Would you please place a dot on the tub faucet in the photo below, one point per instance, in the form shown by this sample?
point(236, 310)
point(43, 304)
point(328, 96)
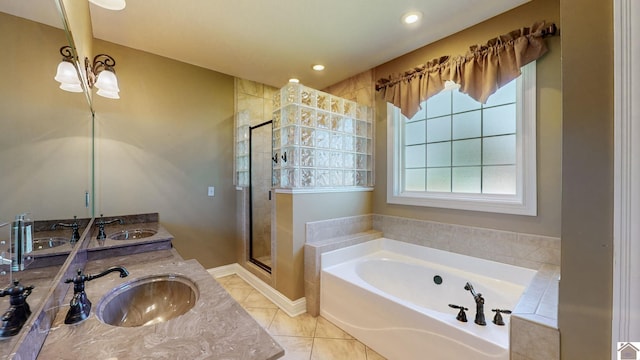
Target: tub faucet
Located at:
point(75, 236)
point(479, 305)
point(101, 223)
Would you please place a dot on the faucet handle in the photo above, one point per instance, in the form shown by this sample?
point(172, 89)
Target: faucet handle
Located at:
point(462, 316)
point(497, 319)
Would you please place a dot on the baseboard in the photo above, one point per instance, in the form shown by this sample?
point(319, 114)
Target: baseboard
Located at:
point(292, 308)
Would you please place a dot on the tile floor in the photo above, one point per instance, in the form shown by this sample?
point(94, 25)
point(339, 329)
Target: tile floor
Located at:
point(303, 337)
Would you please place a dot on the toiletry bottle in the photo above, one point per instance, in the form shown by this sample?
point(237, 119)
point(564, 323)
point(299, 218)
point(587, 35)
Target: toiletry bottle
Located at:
point(22, 241)
point(17, 243)
point(28, 235)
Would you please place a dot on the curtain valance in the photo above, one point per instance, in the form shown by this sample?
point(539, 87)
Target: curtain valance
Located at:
point(480, 72)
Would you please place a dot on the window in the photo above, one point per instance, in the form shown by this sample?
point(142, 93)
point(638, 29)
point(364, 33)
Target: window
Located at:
point(460, 154)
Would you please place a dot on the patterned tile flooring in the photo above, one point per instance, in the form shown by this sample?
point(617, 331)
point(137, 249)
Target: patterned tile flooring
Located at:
point(303, 337)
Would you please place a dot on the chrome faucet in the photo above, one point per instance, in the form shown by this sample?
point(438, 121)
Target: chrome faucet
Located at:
point(479, 305)
point(101, 223)
point(75, 236)
point(80, 306)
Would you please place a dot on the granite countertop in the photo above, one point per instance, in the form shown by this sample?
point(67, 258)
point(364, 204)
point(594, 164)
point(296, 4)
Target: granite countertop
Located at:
point(41, 280)
point(100, 244)
point(217, 327)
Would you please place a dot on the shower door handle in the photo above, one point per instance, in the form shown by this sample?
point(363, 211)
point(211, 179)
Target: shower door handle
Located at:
point(269, 194)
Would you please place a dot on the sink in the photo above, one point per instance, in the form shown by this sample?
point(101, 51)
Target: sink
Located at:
point(148, 301)
point(132, 234)
point(48, 242)
point(44, 243)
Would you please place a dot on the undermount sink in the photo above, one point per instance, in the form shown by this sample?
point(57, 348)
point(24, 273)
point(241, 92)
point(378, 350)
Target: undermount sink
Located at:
point(48, 242)
point(44, 243)
point(148, 301)
point(132, 234)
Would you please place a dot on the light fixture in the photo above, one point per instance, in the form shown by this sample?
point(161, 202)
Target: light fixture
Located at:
point(318, 67)
point(110, 4)
point(411, 17)
point(67, 75)
point(102, 74)
point(451, 85)
point(294, 80)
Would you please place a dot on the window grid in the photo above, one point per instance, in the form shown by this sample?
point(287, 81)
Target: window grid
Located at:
point(482, 108)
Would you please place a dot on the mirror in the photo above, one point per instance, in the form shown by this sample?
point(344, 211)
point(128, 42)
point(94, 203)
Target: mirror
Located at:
point(45, 132)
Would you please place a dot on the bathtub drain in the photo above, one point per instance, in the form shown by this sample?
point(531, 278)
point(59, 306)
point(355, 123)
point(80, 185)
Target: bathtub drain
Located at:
point(437, 279)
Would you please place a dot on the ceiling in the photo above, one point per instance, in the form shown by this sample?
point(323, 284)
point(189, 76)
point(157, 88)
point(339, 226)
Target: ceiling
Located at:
point(272, 41)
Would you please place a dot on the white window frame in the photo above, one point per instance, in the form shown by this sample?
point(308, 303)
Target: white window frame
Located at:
point(524, 202)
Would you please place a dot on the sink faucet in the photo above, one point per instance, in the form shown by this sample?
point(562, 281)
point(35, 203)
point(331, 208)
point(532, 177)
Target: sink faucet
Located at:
point(75, 236)
point(479, 305)
point(101, 223)
point(80, 306)
point(19, 311)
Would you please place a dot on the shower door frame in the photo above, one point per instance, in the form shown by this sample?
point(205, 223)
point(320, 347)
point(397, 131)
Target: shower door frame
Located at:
point(253, 260)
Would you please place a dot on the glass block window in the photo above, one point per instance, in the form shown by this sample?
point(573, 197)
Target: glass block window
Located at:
point(320, 140)
point(458, 153)
point(242, 149)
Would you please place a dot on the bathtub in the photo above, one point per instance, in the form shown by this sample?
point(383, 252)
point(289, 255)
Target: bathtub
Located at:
point(384, 293)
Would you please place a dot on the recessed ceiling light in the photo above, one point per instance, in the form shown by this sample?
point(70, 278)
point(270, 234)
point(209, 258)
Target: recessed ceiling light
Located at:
point(411, 17)
point(294, 80)
point(318, 67)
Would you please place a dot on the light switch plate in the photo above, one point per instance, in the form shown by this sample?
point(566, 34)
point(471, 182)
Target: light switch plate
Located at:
point(211, 191)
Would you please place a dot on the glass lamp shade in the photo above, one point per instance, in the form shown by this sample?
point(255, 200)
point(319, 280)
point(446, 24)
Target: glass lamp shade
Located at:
point(107, 81)
point(108, 94)
point(71, 87)
point(110, 4)
point(67, 74)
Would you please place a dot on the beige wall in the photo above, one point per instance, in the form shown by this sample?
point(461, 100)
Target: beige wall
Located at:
point(160, 146)
point(587, 184)
point(45, 133)
point(293, 211)
point(548, 221)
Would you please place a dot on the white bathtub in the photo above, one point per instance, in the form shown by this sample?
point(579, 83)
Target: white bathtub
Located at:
point(383, 293)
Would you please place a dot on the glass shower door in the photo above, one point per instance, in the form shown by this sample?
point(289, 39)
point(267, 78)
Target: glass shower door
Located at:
point(260, 145)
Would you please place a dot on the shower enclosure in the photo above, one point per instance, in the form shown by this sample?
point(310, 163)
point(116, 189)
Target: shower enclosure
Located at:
point(260, 194)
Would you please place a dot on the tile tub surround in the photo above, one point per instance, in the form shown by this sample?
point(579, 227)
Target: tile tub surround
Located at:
point(317, 231)
point(525, 250)
point(312, 266)
point(216, 328)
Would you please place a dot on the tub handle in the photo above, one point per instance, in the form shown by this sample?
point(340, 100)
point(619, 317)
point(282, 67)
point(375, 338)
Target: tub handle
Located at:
point(497, 319)
point(462, 316)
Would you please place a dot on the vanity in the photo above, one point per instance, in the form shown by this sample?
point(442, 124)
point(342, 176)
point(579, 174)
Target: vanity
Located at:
point(212, 325)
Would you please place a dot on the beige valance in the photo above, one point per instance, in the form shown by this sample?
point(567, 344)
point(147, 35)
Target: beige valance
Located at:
point(482, 71)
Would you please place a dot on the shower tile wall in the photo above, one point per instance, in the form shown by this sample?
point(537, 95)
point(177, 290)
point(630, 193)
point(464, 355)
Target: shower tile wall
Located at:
point(358, 88)
point(255, 102)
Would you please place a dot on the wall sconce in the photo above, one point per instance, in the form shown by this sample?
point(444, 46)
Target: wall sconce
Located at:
point(102, 74)
point(67, 75)
point(99, 73)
